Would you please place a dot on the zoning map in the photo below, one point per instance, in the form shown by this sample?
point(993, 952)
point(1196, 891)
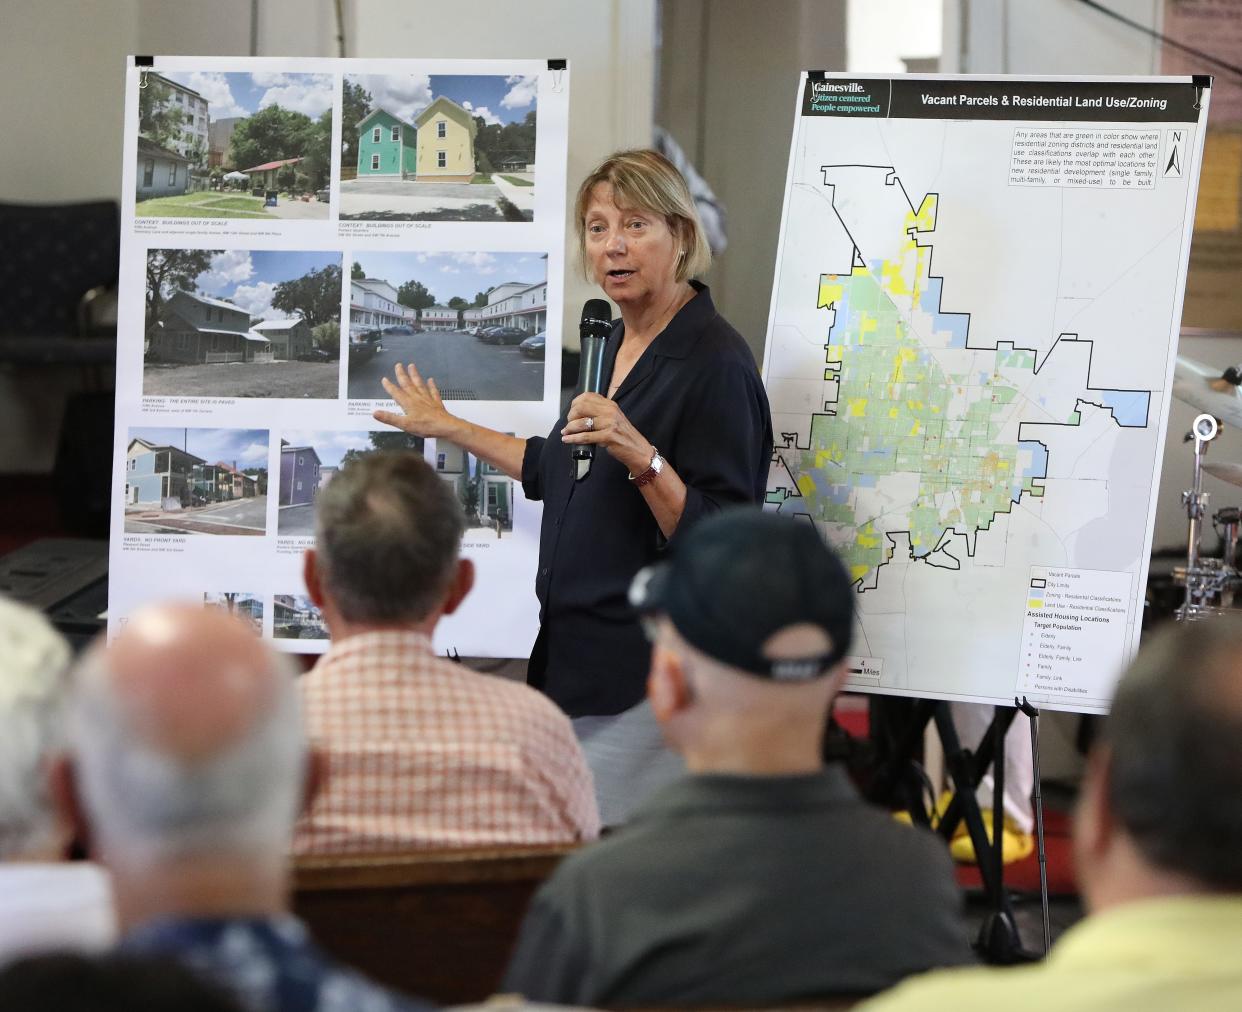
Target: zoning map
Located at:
point(971, 339)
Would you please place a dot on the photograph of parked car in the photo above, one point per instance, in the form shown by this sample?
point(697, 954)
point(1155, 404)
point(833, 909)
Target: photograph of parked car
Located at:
point(309, 460)
point(222, 145)
point(196, 481)
point(242, 323)
point(420, 147)
point(459, 317)
point(248, 607)
point(295, 617)
point(485, 492)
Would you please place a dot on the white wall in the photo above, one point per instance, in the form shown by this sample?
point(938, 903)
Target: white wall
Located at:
point(729, 75)
point(881, 33)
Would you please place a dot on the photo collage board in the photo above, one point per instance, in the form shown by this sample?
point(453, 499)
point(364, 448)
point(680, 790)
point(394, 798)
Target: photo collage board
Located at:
point(292, 230)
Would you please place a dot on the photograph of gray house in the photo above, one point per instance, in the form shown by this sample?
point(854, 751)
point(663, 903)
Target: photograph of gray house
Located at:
point(196, 481)
point(299, 474)
point(161, 172)
point(421, 147)
point(308, 460)
point(474, 311)
point(484, 491)
point(295, 617)
point(245, 606)
point(242, 323)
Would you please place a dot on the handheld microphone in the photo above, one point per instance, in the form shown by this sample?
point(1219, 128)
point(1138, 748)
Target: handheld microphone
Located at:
point(593, 331)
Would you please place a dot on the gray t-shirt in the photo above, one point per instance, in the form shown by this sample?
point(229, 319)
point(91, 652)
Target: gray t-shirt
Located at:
point(739, 890)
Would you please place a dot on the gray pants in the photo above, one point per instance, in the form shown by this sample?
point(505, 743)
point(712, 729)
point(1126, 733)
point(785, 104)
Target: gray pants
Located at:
point(628, 758)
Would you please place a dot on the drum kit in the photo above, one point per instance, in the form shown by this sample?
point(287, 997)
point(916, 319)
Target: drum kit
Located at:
point(1210, 583)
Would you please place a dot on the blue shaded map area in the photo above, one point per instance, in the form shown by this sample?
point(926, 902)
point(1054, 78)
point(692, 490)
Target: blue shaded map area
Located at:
point(1129, 407)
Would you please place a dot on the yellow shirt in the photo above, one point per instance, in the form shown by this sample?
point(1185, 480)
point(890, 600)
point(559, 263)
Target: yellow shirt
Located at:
point(1168, 954)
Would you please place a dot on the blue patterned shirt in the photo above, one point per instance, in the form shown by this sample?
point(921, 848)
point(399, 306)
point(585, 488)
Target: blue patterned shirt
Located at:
point(269, 963)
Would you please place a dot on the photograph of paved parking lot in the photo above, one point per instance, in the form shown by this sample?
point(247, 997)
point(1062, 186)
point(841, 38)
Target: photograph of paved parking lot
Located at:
point(420, 147)
point(473, 322)
point(242, 323)
point(196, 481)
point(309, 460)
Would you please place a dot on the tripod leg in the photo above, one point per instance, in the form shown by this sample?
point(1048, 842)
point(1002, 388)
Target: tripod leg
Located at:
point(1033, 715)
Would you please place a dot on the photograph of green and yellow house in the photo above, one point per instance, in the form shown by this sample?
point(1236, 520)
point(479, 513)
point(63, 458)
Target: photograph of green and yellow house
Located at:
point(438, 147)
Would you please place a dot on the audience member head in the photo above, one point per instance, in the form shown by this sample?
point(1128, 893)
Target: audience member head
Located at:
point(387, 534)
point(187, 761)
point(34, 662)
point(751, 619)
point(73, 983)
point(1160, 811)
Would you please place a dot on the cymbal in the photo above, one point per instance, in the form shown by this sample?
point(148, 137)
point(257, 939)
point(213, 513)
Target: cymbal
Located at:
point(1231, 473)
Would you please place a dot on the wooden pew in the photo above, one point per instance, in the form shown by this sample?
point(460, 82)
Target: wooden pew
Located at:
point(438, 924)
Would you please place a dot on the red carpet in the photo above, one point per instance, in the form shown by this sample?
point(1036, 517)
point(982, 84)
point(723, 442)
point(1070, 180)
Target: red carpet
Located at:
point(1023, 876)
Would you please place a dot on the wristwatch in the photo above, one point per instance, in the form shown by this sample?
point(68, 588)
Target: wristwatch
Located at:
point(652, 472)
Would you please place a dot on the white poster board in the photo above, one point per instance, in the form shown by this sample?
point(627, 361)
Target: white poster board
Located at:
point(969, 357)
point(291, 229)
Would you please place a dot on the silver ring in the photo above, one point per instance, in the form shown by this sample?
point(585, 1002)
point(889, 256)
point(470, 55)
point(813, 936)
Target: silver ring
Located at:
point(590, 422)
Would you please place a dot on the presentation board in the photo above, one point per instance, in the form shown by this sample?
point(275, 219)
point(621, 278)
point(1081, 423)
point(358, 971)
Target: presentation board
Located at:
point(291, 230)
point(970, 351)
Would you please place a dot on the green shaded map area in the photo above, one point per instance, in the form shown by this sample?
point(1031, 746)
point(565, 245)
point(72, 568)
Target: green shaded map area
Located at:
point(924, 435)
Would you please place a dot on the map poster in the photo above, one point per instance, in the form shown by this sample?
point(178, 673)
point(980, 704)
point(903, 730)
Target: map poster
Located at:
point(969, 356)
point(291, 230)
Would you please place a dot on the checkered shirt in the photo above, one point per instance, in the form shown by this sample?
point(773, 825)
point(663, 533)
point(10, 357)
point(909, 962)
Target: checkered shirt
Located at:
point(424, 753)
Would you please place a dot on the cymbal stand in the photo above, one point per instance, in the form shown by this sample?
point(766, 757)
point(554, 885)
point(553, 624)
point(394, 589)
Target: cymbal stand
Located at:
point(1201, 583)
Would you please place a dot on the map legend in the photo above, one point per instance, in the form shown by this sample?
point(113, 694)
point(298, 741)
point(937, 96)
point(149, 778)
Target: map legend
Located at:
point(1073, 635)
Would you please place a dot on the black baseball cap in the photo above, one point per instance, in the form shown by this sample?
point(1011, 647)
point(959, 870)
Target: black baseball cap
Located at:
point(737, 578)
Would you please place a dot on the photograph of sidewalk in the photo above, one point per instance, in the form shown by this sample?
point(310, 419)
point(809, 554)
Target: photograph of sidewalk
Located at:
point(196, 481)
point(216, 145)
point(243, 605)
point(459, 317)
point(295, 617)
point(485, 492)
point(438, 148)
point(309, 460)
point(242, 323)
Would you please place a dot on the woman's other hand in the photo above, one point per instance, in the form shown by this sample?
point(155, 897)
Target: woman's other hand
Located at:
point(595, 419)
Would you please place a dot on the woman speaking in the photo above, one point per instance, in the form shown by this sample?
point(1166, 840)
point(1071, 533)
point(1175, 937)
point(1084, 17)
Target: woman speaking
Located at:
point(684, 429)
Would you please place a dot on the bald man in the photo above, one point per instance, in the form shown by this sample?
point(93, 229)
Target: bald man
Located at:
point(761, 878)
point(186, 771)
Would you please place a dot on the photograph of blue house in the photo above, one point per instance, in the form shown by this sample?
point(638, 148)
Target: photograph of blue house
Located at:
point(386, 145)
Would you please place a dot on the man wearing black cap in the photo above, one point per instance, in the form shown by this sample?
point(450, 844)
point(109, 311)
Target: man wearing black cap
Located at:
point(761, 877)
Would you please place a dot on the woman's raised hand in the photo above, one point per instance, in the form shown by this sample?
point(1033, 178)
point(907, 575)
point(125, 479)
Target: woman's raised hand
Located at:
point(424, 411)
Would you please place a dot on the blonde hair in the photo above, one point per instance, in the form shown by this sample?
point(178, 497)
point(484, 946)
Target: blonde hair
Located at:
point(644, 180)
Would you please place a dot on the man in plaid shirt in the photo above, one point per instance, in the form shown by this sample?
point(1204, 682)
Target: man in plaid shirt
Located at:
point(421, 752)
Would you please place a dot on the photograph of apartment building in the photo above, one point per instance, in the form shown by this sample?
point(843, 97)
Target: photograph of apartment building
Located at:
point(234, 145)
point(474, 310)
point(295, 617)
point(248, 607)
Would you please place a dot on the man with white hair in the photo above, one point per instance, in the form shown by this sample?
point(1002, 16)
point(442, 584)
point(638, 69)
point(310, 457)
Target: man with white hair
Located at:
point(761, 877)
point(187, 769)
point(48, 902)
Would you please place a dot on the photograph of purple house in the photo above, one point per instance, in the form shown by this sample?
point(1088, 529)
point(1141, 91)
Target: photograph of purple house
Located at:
point(299, 474)
point(308, 461)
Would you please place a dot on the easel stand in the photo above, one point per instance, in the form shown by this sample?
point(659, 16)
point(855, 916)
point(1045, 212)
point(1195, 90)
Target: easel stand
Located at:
point(998, 940)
